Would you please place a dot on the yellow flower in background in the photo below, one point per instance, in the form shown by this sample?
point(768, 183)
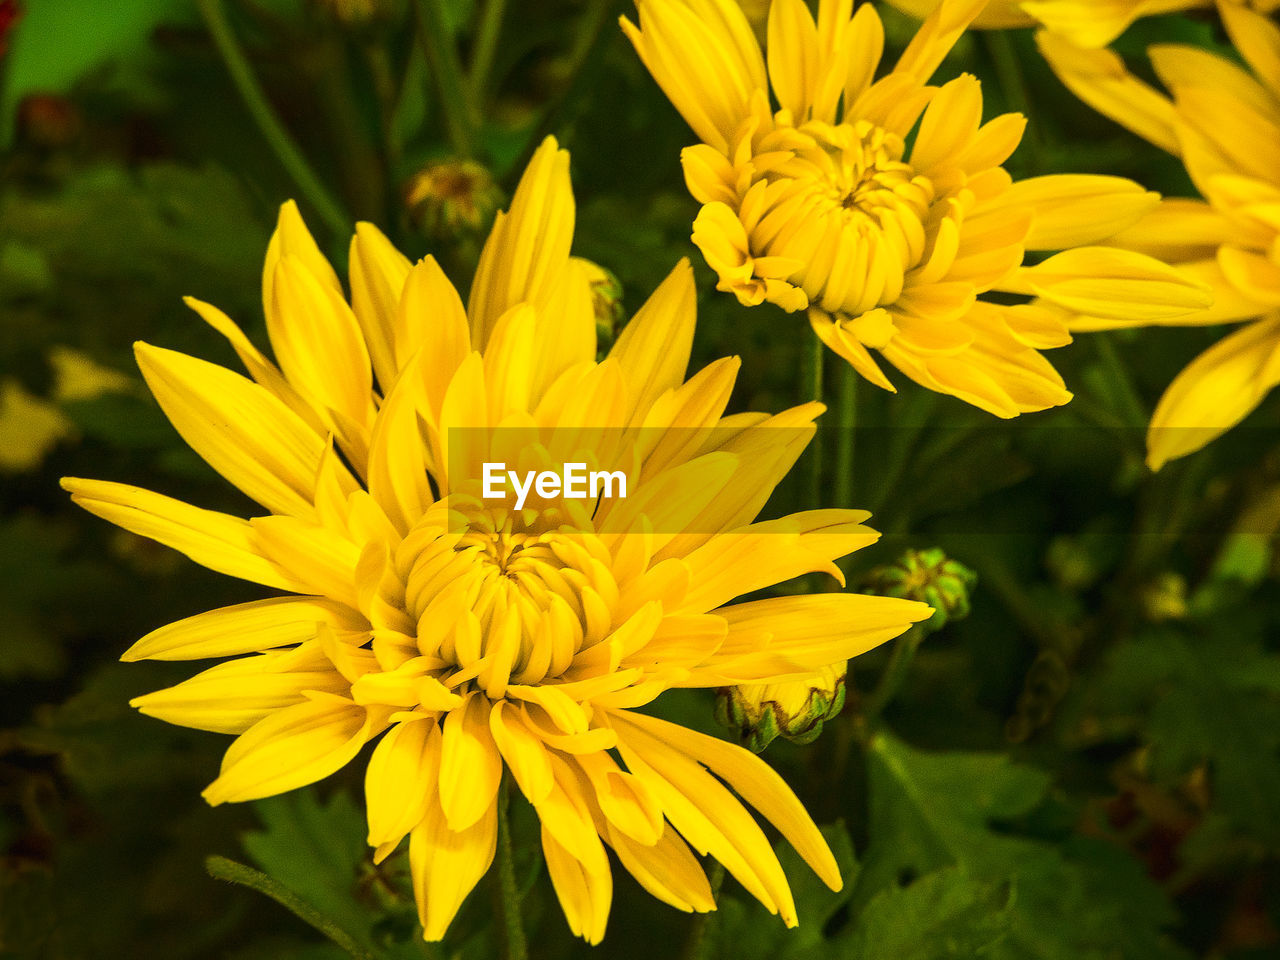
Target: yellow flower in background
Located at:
point(471, 638)
point(820, 205)
point(1084, 23)
point(1224, 123)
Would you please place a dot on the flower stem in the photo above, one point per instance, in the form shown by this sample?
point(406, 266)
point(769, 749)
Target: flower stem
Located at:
point(508, 893)
point(895, 673)
point(442, 58)
point(811, 385)
point(486, 47)
point(273, 131)
point(846, 429)
point(1132, 408)
point(696, 943)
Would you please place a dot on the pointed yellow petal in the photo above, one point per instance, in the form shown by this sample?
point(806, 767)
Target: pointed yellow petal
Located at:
point(447, 864)
point(470, 765)
point(293, 747)
point(241, 429)
point(528, 248)
point(214, 540)
point(1099, 78)
point(233, 696)
point(757, 783)
point(1216, 391)
point(244, 628)
point(402, 779)
point(653, 349)
point(1070, 210)
point(378, 272)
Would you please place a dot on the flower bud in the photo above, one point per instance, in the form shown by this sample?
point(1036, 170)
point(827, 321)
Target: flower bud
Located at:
point(793, 709)
point(931, 577)
point(452, 198)
point(606, 300)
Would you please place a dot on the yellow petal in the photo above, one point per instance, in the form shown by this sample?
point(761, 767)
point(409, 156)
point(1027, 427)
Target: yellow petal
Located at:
point(401, 781)
point(470, 765)
point(653, 348)
point(292, 238)
point(292, 747)
point(584, 895)
point(528, 248)
point(244, 628)
point(1099, 78)
point(1216, 391)
point(214, 540)
point(447, 864)
point(241, 429)
point(1070, 210)
point(378, 272)
point(757, 783)
point(233, 696)
point(1257, 39)
point(431, 320)
point(667, 869)
point(1104, 282)
point(936, 36)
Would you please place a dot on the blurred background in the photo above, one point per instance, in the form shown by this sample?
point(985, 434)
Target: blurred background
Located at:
point(1088, 765)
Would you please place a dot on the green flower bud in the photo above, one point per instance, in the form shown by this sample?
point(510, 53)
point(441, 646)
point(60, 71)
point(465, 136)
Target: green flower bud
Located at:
point(931, 577)
point(794, 709)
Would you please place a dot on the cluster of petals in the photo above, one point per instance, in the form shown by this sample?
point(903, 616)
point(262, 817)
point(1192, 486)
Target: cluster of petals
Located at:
point(1223, 122)
point(1082, 23)
point(814, 200)
point(471, 641)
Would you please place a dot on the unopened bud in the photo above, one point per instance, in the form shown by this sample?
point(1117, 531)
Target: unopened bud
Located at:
point(606, 300)
point(792, 709)
point(452, 197)
point(931, 577)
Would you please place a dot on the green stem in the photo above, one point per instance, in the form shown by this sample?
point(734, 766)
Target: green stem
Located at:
point(486, 47)
point(442, 58)
point(221, 868)
point(1133, 410)
point(895, 673)
point(1014, 87)
point(846, 435)
point(811, 384)
point(696, 943)
point(579, 56)
point(269, 125)
point(508, 891)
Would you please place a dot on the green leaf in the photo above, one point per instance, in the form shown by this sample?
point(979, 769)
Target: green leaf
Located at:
point(223, 869)
point(942, 914)
point(747, 932)
point(933, 810)
point(1211, 700)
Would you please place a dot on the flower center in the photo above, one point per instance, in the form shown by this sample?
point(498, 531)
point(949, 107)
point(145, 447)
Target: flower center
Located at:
point(501, 598)
point(856, 214)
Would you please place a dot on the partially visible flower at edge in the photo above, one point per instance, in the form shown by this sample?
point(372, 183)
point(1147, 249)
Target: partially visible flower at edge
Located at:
point(1225, 126)
point(475, 640)
point(818, 205)
point(1084, 23)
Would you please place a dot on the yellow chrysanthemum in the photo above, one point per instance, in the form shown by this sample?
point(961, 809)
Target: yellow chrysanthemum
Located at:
point(473, 638)
point(1084, 23)
point(1225, 125)
point(817, 204)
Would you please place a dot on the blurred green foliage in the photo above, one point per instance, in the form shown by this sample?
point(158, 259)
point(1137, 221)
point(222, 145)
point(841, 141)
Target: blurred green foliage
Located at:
point(1086, 767)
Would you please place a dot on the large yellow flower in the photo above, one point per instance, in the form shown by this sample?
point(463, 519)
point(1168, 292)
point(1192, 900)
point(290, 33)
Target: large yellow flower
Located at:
point(820, 204)
point(1085, 23)
point(1225, 125)
point(470, 636)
